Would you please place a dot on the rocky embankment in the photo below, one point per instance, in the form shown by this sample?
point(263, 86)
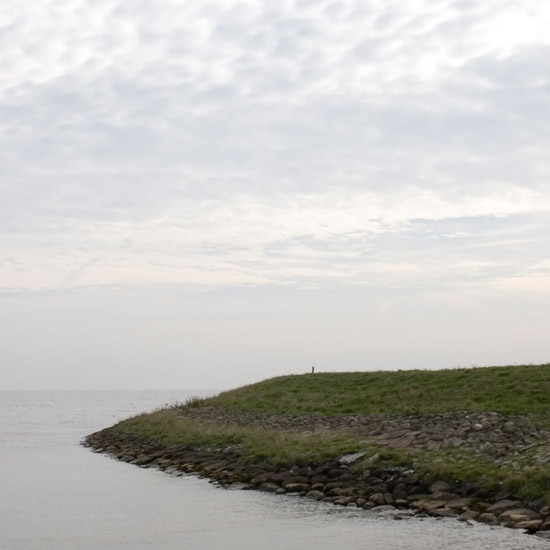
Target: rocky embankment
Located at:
point(491, 436)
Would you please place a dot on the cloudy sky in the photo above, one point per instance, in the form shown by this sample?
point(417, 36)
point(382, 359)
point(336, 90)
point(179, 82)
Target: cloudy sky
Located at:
point(206, 194)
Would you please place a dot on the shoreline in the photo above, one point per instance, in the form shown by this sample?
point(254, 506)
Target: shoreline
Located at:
point(359, 479)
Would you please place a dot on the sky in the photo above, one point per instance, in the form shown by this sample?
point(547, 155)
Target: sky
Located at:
point(205, 194)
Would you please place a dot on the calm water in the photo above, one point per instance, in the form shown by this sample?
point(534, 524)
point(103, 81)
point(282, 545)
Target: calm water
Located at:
point(55, 494)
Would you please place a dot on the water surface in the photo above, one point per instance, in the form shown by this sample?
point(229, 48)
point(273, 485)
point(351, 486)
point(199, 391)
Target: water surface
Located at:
point(55, 494)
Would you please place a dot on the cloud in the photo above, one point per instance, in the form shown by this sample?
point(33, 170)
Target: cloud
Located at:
point(411, 239)
point(295, 143)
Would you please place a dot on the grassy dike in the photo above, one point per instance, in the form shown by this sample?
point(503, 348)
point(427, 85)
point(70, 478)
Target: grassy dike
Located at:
point(488, 426)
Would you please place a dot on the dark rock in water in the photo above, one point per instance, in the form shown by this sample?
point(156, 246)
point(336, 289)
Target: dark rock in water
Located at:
point(268, 487)
point(297, 487)
point(377, 499)
point(531, 526)
point(237, 486)
point(430, 505)
point(490, 519)
point(469, 515)
point(443, 513)
point(143, 460)
point(517, 515)
point(261, 478)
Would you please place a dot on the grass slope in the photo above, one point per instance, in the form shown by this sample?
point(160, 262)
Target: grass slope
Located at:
point(507, 390)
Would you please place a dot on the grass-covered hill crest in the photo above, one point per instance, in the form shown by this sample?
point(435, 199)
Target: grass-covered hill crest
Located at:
point(506, 390)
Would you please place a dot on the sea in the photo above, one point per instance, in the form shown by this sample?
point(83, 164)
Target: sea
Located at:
point(56, 494)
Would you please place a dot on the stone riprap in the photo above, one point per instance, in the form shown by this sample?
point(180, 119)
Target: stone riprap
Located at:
point(491, 436)
point(488, 434)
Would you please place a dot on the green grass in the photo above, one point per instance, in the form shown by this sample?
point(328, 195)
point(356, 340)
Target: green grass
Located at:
point(276, 446)
point(507, 390)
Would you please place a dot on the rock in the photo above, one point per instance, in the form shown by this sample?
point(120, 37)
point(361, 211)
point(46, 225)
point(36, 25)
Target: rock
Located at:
point(343, 501)
point(431, 505)
point(417, 498)
point(346, 491)
point(372, 459)
point(536, 505)
point(261, 478)
point(444, 513)
point(459, 503)
point(385, 509)
point(351, 458)
point(400, 442)
point(294, 480)
point(443, 495)
point(318, 478)
point(377, 499)
point(505, 494)
point(268, 487)
point(530, 525)
point(400, 495)
point(510, 427)
point(501, 506)
point(297, 487)
point(490, 519)
point(469, 515)
point(238, 486)
point(331, 486)
point(440, 486)
point(452, 442)
point(214, 466)
point(516, 515)
point(143, 460)
point(281, 476)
